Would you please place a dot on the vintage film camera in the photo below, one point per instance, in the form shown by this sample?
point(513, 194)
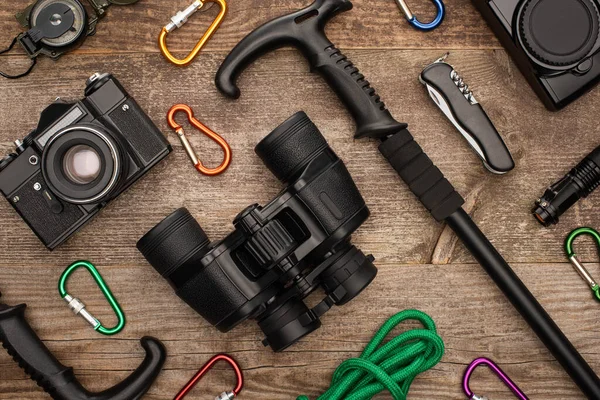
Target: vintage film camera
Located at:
point(278, 254)
point(555, 44)
point(80, 157)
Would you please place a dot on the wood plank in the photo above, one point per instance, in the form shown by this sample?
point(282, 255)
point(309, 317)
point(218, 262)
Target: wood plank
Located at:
point(485, 326)
point(421, 263)
point(380, 24)
point(399, 231)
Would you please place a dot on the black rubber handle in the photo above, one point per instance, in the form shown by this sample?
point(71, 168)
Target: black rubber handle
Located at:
point(423, 178)
point(304, 30)
point(26, 348)
point(354, 90)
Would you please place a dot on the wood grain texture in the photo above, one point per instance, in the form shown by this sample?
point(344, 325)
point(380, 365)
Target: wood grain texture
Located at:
point(421, 263)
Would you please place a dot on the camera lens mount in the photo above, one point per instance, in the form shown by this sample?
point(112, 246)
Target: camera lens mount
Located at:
point(558, 34)
point(82, 164)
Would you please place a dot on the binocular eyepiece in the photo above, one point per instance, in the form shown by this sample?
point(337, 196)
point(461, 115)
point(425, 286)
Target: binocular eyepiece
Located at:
point(278, 254)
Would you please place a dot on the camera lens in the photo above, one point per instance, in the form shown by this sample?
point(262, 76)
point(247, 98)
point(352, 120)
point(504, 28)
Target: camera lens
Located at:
point(82, 164)
point(171, 243)
point(287, 323)
point(349, 275)
point(291, 146)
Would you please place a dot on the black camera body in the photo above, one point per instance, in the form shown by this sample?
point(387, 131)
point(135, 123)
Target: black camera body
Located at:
point(555, 44)
point(278, 254)
point(80, 157)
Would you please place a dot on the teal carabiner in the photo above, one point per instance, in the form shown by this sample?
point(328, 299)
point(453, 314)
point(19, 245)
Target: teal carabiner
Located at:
point(583, 272)
point(77, 305)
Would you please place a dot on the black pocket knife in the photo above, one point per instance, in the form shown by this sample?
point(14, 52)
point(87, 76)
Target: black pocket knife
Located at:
point(455, 99)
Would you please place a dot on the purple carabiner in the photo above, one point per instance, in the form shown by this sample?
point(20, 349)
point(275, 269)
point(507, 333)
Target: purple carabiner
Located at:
point(496, 369)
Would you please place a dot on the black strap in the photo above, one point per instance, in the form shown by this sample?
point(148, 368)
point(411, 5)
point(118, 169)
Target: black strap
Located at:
point(33, 62)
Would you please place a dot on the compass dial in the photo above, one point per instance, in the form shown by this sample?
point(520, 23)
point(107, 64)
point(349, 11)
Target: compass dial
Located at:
point(40, 15)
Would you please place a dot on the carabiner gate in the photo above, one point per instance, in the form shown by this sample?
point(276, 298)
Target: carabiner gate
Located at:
point(441, 12)
point(583, 272)
point(496, 369)
point(196, 378)
point(179, 20)
point(204, 129)
point(78, 307)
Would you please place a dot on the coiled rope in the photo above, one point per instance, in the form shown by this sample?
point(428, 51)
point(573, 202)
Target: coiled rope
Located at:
point(392, 366)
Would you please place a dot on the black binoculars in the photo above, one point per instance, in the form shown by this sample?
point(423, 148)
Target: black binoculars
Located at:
point(278, 254)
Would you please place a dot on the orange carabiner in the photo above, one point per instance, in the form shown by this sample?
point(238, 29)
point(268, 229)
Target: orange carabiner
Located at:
point(204, 129)
point(179, 20)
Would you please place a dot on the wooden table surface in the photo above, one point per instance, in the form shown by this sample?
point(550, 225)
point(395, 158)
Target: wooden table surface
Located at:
point(421, 263)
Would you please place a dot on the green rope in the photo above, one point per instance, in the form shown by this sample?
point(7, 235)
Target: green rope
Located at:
point(392, 366)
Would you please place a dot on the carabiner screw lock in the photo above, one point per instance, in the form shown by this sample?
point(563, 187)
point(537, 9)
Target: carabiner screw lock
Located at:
point(496, 369)
point(204, 129)
point(441, 12)
point(78, 307)
point(583, 272)
point(179, 19)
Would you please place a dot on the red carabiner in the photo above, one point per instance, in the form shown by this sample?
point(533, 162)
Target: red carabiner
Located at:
point(223, 396)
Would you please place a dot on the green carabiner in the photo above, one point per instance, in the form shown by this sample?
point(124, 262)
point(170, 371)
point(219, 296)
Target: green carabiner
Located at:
point(77, 305)
point(583, 272)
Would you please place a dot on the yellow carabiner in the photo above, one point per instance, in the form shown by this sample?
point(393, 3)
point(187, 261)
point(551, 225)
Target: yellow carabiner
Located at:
point(179, 20)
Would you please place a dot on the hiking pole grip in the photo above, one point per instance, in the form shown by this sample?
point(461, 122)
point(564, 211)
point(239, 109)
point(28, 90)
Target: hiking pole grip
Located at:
point(26, 348)
point(59, 381)
point(305, 30)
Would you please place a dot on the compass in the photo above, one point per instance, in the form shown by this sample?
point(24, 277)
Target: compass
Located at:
point(60, 23)
point(55, 27)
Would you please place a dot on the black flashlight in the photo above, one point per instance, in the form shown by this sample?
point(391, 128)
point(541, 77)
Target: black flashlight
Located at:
point(578, 183)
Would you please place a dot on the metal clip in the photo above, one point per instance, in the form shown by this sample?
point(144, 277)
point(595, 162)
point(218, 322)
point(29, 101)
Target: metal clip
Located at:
point(496, 369)
point(196, 378)
point(441, 12)
point(179, 20)
point(78, 307)
point(204, 129)
point(583, 272)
